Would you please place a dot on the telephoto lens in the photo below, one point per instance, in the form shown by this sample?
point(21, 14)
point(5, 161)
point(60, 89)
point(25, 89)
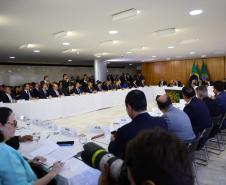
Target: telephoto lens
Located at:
point(97, 157)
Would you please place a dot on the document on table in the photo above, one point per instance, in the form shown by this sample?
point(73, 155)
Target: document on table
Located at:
point(62, 154)
point(44, 149)
point(53, 152)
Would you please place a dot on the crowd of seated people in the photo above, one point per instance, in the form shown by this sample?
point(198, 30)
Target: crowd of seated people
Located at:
point(172, 83)
point(68, 86)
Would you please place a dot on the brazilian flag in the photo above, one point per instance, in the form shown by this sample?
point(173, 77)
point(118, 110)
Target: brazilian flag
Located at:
point(204, 74)
point(194, 71)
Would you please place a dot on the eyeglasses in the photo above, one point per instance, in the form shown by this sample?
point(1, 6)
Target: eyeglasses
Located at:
point(14, 123)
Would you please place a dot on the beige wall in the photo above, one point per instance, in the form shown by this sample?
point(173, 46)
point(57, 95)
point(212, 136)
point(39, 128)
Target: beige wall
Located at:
point(20, 74)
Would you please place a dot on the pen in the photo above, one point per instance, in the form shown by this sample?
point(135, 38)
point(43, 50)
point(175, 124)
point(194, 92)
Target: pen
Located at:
point(97, 136)
point(52, 165)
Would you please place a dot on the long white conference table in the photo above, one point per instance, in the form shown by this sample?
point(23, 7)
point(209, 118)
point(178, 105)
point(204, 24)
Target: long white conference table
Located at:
point(65, 106)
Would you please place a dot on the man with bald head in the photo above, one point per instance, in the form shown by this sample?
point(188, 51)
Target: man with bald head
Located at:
point(178, 121)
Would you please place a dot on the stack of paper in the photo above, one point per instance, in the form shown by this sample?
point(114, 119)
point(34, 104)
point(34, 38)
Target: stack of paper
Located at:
point(52, 152)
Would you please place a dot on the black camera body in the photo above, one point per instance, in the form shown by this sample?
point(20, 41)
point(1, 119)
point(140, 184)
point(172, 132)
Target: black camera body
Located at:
point(97, 157)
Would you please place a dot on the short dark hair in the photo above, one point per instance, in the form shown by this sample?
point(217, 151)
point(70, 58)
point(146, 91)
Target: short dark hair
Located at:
point(137, 100)
point(188, 91)
point(219, 86)
point(165, 104)
point(202, 91)
point(159, 156)
point(4, 115)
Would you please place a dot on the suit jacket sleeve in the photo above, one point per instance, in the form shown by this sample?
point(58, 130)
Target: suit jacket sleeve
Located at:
point(118, 146)
point(14, 142)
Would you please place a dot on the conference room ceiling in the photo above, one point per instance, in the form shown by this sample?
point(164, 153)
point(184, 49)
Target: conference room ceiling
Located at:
point(88, 22)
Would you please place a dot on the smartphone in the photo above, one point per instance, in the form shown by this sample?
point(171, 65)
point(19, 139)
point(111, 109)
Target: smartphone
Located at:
point(65, 143)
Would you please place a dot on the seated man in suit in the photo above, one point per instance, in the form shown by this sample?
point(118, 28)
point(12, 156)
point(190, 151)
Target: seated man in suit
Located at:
point(25, 94)
point(202, 94)
point(220, 98)
point(54, 92)
point(43, 92)
point(136, 106)
point(77, 89)
point(178, 121)
point(7, 96)
point(35, 91)
point(196, 110)
point(162, 83)
point(89, 88)
point(99, 87)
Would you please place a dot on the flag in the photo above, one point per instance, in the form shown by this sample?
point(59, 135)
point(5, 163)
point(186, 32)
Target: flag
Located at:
point(204, 74)
point(194, 71)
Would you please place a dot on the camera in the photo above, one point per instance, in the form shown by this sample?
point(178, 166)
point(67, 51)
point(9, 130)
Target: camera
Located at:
point(97, 157)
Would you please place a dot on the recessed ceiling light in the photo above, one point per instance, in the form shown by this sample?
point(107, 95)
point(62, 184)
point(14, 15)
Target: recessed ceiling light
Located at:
point(171, 47)
point(129, 52)
point(125, 14)
point(195, 12)
point(12, 57)
point(192, 52)
point(71, 51)
point(36, 51)
point(113, 32)
point(153, 56)
point(69, 60)
point(130, 64)
point(203, 56)
point(26, 46)
point(66, 44)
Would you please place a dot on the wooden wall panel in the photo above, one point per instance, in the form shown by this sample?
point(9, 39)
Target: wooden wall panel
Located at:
point(181, 70)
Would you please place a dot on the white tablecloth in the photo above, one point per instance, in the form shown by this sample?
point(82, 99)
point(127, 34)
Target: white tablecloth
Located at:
point(54, 108)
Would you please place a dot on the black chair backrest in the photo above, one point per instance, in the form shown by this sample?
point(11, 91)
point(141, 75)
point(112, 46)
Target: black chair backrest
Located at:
point(216, 121)
point(222, 120)
point(193, 145)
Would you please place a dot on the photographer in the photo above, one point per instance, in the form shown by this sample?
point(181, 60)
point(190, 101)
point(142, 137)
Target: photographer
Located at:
point(155, 158)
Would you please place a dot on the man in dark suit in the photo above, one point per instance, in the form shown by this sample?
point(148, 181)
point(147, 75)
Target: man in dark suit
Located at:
point(162, 83)
point(7, 97)
point(54, 92)
point(196, 110)
point(220, 98)
point(65, 85)
point(25, 94)
point(136, 106)
point(89, 88)
point(202, 94)
point(77, 89)
point(1, 92)
point(35, 91)
point(43, 92)
point(45, 81)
